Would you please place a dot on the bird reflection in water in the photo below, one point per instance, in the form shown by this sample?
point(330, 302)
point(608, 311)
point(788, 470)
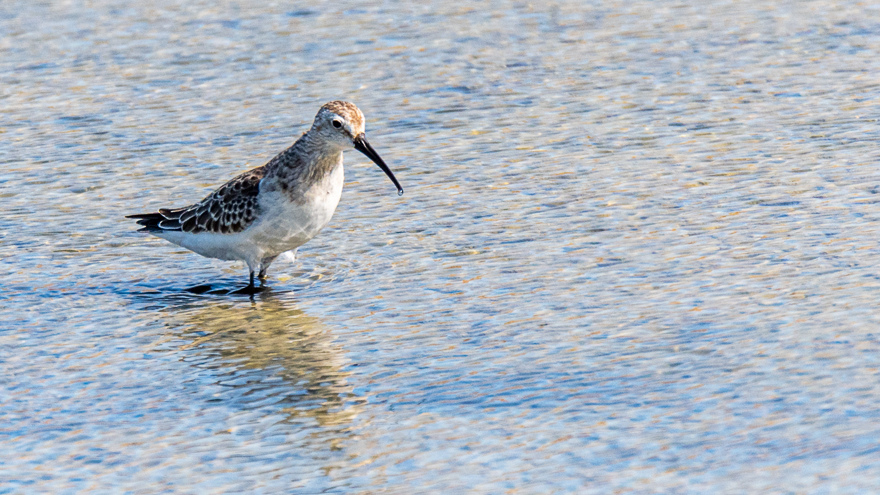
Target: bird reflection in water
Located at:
point(273, 356)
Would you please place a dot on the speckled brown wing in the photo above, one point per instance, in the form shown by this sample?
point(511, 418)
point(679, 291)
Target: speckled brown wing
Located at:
point(228, 210)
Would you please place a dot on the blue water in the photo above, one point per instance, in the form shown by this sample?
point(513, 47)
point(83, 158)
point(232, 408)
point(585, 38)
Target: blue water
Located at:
point(637, 252)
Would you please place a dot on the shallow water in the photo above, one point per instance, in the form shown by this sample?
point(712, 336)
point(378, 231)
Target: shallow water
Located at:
point(637, 251)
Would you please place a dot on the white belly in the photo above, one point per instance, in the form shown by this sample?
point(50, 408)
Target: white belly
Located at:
point(283, 225)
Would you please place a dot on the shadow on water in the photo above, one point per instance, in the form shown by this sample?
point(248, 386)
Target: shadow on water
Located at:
point(156, 294)
point(225, 291)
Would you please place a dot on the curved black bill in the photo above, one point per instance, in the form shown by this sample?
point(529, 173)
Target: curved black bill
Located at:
point(361, 144)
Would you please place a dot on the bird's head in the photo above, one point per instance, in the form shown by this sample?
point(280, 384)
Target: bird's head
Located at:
point(342, 124)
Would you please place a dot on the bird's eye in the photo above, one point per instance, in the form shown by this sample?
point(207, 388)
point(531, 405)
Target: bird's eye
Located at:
point(337, 124)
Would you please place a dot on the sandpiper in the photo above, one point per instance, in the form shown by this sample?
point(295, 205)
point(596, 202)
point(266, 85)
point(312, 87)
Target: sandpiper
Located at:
point(274, 208)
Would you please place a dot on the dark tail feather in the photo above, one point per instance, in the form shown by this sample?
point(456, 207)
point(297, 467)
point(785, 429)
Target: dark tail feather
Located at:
point(151, 222)
point(144, 215)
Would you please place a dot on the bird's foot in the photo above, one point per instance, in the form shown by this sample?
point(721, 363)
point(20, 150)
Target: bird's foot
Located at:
point(249, 290)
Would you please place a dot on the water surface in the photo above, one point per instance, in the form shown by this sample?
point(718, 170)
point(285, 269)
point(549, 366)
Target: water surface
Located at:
point(637, 252)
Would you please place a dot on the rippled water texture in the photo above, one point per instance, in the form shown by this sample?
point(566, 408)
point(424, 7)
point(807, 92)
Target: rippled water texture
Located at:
point(637, 253)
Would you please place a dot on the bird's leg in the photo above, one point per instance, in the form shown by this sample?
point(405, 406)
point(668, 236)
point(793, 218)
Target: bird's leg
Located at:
point(264, 266)
point(250, 289)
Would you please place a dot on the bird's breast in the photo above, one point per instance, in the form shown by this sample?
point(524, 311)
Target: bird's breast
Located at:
point(292, 220)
